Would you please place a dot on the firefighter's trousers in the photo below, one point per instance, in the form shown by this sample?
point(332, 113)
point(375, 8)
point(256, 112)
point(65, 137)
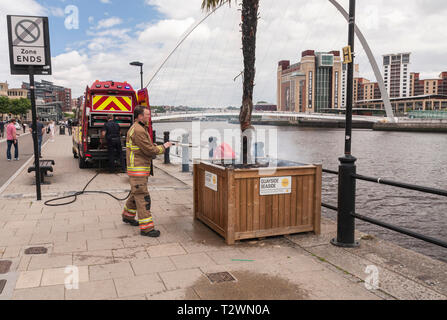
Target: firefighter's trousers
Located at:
point(139, 202)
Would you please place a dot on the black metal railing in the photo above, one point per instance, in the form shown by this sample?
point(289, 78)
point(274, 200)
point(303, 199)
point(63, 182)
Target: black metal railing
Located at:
point(385, 224)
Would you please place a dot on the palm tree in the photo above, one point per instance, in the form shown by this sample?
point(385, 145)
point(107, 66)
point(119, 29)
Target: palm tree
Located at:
point(249, 26)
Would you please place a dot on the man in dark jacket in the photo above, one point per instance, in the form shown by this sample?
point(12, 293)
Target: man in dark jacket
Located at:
point(2, 129)
point(111, 132)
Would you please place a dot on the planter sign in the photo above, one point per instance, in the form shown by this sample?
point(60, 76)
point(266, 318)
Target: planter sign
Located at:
point(211, 180)
point(275, 185)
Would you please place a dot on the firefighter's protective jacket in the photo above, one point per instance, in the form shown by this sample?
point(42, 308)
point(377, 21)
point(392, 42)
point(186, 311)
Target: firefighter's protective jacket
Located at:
point(140, 150)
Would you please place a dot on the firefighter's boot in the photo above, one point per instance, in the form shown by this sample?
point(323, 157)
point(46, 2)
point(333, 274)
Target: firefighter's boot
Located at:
point(153, 233)
point(129, 213)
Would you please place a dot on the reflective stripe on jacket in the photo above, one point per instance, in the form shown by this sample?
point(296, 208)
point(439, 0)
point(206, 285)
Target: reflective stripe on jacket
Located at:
point(139, 150)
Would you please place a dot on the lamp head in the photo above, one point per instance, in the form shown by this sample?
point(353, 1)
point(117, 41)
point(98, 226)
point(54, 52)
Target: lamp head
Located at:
point(136, 63)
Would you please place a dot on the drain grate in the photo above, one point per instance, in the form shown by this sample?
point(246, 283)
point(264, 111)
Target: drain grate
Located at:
point(36, 250)
point(4, 266)
point(219, 277)
point(2, 285)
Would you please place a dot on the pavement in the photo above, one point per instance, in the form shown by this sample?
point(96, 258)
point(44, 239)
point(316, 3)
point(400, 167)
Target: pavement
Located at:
point(26, 151)
point(87, 241)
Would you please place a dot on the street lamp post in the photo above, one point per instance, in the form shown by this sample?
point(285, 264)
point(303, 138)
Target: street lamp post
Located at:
point(139, 64)
point(347, 168)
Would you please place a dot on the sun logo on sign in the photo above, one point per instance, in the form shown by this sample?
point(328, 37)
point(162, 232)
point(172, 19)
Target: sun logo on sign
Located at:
point(214, 180)
point(285, 183)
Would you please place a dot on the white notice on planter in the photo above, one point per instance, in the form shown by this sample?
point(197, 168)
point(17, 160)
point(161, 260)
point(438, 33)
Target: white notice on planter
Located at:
point(275, 185)
point(211, 180)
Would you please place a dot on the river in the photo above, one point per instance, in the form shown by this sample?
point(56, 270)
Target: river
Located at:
point(416, 158)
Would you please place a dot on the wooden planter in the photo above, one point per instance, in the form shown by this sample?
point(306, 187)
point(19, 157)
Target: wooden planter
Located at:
point(229, 201)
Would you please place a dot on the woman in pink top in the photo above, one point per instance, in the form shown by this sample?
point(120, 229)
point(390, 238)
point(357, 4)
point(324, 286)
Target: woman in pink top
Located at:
point(11, 137)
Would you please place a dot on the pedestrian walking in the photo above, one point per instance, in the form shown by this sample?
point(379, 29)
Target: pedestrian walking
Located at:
point(52, 128)
point(139, 152)
point(40, 133)
point(11, 138)
point(69, 126)
point(111, 134)
point(2, 129)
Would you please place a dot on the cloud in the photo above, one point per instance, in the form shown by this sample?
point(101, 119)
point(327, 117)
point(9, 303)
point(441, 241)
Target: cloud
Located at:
point(105, 1)
point(108, 23)
point(177, 9)
point(57, 12)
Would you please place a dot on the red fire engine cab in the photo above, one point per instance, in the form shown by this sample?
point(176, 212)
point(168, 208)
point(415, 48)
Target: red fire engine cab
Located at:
point(100, 100)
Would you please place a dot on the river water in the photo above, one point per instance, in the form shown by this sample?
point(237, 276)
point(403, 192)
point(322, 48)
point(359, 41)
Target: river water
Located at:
point(416, 158)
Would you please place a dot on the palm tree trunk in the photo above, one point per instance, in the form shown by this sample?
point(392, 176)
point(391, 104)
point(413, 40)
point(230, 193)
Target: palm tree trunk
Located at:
point(249, 27)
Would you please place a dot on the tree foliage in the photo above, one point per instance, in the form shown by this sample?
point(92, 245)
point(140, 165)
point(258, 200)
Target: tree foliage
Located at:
point(4, 105)
point(20, 106)
point(14, 106)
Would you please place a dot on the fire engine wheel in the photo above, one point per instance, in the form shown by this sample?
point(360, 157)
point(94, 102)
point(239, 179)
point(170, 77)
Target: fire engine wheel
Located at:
point(82, 163)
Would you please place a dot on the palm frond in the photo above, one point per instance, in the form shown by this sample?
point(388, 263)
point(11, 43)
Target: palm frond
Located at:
point(209, 5)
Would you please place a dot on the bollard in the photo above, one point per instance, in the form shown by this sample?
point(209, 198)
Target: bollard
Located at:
point(346, 204)
point(166, 139)
point(61, 130)
point(185, 152)
point(154, 136)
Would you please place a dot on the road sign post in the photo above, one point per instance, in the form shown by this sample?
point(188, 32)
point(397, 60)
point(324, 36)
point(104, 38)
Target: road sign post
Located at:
point(29, 53)
point(35, 141)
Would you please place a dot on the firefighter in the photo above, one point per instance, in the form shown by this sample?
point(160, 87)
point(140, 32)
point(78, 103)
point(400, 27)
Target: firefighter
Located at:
point(111, 131)
point(140, 150)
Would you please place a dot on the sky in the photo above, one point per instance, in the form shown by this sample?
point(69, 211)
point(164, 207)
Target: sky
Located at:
point(96, 39)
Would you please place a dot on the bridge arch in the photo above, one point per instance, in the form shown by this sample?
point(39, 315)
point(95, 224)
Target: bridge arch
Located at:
point(361, 38)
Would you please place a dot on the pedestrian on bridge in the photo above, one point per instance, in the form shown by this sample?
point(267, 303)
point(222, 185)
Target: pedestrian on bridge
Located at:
point(140, 150)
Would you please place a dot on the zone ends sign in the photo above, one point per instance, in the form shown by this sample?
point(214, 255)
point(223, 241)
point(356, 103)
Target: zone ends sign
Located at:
point(29, 45)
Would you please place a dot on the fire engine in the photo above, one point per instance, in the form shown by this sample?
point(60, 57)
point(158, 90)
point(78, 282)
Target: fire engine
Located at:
point(100, 100)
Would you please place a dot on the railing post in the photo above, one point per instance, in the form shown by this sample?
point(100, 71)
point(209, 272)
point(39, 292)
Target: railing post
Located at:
point(346, 204)
point(185, 153)
point(346, 182)
point(166, 139)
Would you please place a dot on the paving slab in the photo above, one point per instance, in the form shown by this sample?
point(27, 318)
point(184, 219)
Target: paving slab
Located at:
point(50, 261)
point(181, 278)
point(164, 250)
point(143, 284)
point(90, 258)
point(92, 290)
point(152, 265)
point(29, 279)
point(129, 254)
point(55, 276)
point(40, 293)
point(111, 271)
